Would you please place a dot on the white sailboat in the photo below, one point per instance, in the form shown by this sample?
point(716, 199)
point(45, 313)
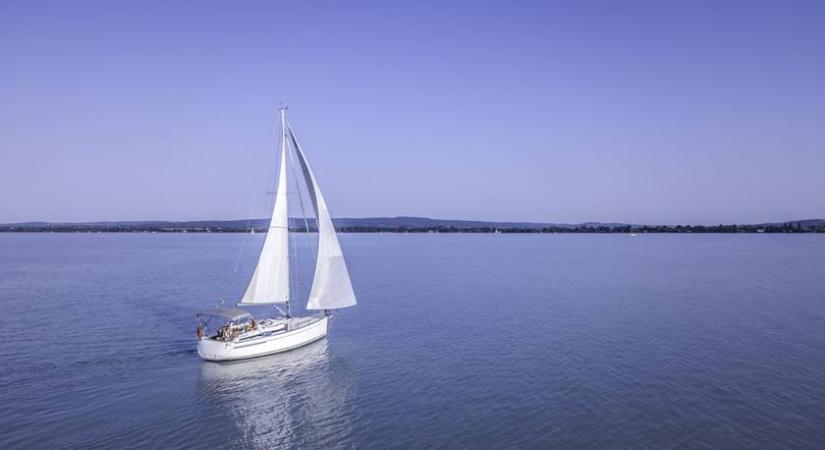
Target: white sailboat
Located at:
point(226, 334)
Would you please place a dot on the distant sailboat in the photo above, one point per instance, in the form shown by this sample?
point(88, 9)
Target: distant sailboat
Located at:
point(232, 333)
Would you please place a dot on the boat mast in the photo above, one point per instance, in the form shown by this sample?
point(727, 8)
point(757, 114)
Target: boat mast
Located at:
point(284, 148)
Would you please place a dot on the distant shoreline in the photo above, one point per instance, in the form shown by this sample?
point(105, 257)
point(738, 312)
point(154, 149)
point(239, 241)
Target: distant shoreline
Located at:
point(407, 225)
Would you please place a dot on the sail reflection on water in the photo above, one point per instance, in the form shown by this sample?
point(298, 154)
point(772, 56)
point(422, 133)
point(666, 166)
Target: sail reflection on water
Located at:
point(301, 398)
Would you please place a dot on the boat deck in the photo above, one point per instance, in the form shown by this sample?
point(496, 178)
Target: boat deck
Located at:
point(270, 327)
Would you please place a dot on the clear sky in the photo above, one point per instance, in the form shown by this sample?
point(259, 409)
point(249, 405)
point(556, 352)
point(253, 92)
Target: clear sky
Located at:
point(642, 112)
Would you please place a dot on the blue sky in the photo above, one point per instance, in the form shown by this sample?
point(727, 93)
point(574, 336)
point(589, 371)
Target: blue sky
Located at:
point(643, 112)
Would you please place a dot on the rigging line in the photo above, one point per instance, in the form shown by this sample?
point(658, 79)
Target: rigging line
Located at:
point(300, 198)
point(261, 181)
point(297, 284)
point(312, 249)
point(293, 275)
point(303, 210)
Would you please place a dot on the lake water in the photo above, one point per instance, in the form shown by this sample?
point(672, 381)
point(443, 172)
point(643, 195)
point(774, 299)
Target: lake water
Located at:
point(459, 341)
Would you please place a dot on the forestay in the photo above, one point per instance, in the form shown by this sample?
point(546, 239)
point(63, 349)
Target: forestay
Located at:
point(331, 286)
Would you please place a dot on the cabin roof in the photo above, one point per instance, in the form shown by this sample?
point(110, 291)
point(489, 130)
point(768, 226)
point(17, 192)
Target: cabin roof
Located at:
point(227, 313)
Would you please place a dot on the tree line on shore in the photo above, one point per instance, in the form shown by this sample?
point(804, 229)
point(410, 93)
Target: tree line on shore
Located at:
point(788, 227)
point(783, 228)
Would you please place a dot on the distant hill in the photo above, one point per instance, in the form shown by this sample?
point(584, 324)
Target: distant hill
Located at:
point(424, 222)
point(408, 224)
point(342, 222)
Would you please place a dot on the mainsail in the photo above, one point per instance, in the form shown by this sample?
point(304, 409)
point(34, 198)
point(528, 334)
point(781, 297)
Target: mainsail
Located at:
point(331, 286)
point(270, 282)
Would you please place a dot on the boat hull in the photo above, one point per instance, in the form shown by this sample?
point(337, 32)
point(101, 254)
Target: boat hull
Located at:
point(215, 350)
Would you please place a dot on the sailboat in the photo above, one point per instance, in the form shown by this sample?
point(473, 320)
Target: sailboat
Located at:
point(226, 334)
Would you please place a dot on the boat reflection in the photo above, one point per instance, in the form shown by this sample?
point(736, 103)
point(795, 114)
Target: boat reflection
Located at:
point(301, 398)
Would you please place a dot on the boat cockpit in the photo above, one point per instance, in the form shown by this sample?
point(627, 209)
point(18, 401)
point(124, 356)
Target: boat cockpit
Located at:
point(236, 324)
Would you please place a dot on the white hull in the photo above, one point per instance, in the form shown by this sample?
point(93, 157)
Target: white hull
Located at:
point(217, 350)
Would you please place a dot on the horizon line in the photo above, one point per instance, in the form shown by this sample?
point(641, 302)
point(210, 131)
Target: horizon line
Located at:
point(480, 221)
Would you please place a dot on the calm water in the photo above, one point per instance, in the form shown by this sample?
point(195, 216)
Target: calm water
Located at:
point(483, 341)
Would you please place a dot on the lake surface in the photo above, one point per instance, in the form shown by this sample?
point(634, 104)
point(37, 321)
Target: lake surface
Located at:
point(459, 341)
